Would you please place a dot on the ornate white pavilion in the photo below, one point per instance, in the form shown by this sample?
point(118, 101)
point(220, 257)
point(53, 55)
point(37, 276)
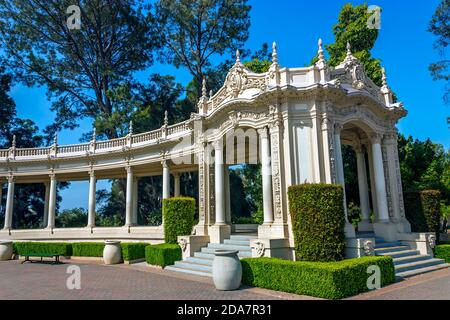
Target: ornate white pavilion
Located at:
point(293, 120)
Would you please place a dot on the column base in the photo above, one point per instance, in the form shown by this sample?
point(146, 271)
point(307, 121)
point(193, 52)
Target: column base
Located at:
point(218, 233)
point(201, 230)
point(274, 248)
point(273, 231)
point(403, 226)
point(349, 230)
point(365, 226)
point(386, 229)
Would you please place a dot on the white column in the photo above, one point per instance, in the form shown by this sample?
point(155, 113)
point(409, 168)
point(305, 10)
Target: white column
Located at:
point(362, 183)
point(176, 180)
point(91, 205)
point(52, 203)
point(166, 180)
point(9, 203)
point(266, 176)
point(129, 198)
point(340, 179)
point(380, 182)
point(46, 201)
point(219, 183)
point(227, 194)
point(1, 194)
point(135, 201)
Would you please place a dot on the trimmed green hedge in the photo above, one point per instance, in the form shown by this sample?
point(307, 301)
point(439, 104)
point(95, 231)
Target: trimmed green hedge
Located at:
point(178, 216)
point(442, 251)
point(318, 221)
point(423, 210)
point(64, 249)
point(330, 280)
point(162, 254)
point(88, 249)
point(133, 251)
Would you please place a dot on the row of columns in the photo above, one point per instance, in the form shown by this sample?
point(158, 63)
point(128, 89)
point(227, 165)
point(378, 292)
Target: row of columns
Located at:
point(220, 179)
point(130, 206)
point(377, 168)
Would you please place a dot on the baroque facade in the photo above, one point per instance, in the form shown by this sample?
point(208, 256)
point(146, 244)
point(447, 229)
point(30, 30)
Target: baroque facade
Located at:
point(292, 120)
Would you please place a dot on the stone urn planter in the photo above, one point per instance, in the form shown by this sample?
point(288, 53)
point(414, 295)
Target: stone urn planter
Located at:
point(112, 253)
point(226, 270)
point(6, 250)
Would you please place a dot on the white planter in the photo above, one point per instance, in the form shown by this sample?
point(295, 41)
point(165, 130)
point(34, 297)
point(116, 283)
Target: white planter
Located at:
point(6, 250)
point(112, 253)
point(227, 270)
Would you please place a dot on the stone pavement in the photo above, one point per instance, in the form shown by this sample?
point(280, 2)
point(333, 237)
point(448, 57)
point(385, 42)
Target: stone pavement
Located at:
point(46, 281)
point(429, 286)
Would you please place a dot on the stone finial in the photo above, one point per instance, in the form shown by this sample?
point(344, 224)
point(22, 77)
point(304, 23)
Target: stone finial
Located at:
point(55, 139)
point(94, 134)
point(349, 49)
point(166, 118)
point(13, 141)
point(238, 57)
point(274, 53)
point(383, 77)
point(210, 94)
point(320, 51)
point(204, 88)
point(130, 128)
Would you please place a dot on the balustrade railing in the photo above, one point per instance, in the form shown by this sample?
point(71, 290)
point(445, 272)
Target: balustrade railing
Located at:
point(95, 146)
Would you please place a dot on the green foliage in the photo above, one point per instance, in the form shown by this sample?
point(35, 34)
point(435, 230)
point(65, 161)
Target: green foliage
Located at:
point(423, 210)
point(162, 254)
point(178, 216)
point(330, 280)
point(64, 249)
point(354, 213)
point(318, 220)
point(88, 249)
point(258, 66)
point(442, 251)
point(218, 27)
point(439, 26)
point(71, 218)
point(133, 251)
point(109, 221)
point(352, 28)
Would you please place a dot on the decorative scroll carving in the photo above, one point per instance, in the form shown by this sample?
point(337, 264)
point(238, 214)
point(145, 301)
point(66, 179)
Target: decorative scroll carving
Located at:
point(276, 176)
point(201, 180)
point(431, 239)
point(183, 244)
point(369, 249)
point(259, 248)
point(386, 179)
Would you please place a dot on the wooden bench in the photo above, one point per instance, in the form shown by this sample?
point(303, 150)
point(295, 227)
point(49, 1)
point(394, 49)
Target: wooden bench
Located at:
point(41, 255)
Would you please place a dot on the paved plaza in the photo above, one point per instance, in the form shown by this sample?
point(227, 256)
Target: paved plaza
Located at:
point(136, 282)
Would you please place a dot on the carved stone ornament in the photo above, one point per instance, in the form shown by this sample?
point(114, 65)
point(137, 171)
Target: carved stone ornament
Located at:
point(260, 248)
point(431, 240)
point(235, 81)
point(369, 248)
point(183, 244)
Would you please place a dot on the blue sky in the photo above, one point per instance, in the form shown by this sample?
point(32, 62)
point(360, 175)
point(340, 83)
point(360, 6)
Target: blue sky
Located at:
point(404, 46)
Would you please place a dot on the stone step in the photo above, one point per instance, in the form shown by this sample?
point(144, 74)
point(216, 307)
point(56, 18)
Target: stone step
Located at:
point(387, 245)
point(241, 254)
point(204, 255)
point(237, 243)
point(202, 261)
point(220, 246)
point(391, 249)
point(418, 271)
point(242, 237)
point(193, 266)
point(412, 258)
point(197, 273)
point(399, 254)
point(418, 265)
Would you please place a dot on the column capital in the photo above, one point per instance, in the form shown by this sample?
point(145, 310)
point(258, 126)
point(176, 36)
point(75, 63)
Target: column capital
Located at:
point(129, 169)
point(359, 149)
point(91, 173)
point(338, 128)
point(217, 145)
point(52, 176)
point(376, 137)
point(263, 133)
point(10, 178)
point(164, 164)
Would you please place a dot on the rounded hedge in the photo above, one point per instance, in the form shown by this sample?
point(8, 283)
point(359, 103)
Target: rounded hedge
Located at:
point(318, 221)
point(178, 215)
point(163, 255)
point(423, 210)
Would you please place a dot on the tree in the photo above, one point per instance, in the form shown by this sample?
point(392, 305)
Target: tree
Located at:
point(440, 27)
point(352, 28)
point(196, 31)
point(79, 67)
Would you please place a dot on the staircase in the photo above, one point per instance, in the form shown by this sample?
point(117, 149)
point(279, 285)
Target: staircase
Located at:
point(407, 262)
point(201, 263)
